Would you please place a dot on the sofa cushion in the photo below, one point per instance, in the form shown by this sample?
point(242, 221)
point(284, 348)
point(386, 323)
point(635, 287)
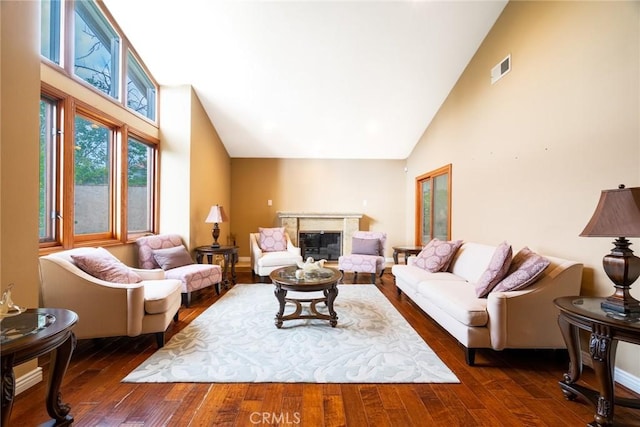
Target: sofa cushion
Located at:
point(525, 269)
point(412, 275)
point(437, 255)
point(169, 258)
point(365, 246)
point(282, 258)
point(457, 298)
point(272, 239)
point(101, 264)
point(196, 276)
point(496, 271)
point(471, 260)
point(157, 295)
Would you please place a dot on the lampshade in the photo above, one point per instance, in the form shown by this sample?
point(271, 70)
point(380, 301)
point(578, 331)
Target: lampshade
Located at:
point(617, 214)
point(216, 215)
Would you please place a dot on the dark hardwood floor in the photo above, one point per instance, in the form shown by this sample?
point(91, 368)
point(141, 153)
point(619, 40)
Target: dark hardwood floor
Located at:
point(508, 388)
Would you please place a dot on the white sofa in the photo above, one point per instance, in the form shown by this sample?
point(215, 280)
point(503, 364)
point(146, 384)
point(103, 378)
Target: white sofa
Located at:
point(524, 318)
point(107, 309)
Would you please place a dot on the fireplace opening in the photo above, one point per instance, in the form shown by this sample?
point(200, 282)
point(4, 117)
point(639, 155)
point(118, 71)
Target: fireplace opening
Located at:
point(320, 244)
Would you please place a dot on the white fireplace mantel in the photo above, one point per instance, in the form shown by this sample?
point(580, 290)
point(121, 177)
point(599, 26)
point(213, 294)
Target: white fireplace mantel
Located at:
point(347, 223)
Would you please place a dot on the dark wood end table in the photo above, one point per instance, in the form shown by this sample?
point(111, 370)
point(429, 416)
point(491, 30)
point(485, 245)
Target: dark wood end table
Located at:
point(324, 279)
point(29, 335)
point(606, 330)
point(406, 251)
point(230, 254)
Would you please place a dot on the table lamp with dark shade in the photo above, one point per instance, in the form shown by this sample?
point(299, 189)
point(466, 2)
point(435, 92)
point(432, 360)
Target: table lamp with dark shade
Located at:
point(216, 216)
point(618, 215)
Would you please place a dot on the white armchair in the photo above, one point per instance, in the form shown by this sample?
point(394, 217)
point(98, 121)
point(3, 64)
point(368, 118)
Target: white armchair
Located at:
point(108, 309)
point(263, 262)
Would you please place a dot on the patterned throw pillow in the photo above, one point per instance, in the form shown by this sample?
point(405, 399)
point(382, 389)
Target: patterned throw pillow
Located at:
point(365, 246)
point(526, 267)
point(497, 270)
point(104, 266)
point(169, 258)
point(437, 255)
point(272, 239)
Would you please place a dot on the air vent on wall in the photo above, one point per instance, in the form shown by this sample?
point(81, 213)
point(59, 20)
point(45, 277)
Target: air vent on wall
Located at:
point(501, 69)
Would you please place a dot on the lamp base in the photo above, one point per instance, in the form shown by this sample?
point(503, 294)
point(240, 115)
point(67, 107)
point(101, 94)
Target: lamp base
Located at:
point(215, 245)
point(623, 268)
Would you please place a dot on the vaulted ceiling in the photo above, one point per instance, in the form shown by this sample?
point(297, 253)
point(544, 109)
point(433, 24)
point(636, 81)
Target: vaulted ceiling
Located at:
point(311, 79)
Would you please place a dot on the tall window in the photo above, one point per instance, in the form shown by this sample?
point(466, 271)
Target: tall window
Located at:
point(141, 92)
point(50, 35)
point(98, 173)
point(140, 186)
point(92, 165)
point(433, 199)
point(49, 131)
point(97, 49)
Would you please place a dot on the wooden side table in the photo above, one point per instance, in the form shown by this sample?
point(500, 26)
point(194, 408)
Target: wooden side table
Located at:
point(230, 254)
point(406, 251)
point(29, 335)
point(606, 330)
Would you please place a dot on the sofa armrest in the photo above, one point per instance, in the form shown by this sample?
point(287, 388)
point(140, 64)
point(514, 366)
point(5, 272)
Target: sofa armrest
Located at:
point(152, 274)
point(527, 318)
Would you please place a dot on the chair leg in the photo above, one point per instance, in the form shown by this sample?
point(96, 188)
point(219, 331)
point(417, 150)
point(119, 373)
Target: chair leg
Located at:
point(470, 355)
point(373, 278)
point(175, 316)
point(160, 339)
point(186, 299)
point(355, 277)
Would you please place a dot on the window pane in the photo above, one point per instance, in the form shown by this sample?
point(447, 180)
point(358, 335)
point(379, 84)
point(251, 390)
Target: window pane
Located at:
point(96, 49)
point(426, 211)
point(141, 93)
point(441, 206)
point(92, 160)
point(50, 30)
point(48, 161)
point(140, 186)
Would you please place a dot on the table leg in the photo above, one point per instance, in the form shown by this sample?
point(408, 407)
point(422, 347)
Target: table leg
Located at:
point(280, 295)
point(572, 340)
point(331, 295)
point(234, 260)
point(8, 389)
point(210, 258)
point(395, 256)
point(199, 257)
point(60, 358)
point(225, 279)
point(603, 352)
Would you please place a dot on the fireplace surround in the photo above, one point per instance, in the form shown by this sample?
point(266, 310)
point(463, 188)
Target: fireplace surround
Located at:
point(345, 223)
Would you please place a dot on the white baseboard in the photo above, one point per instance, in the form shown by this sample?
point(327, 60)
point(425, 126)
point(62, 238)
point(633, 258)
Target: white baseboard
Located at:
point(626, 379)
point(28, 380)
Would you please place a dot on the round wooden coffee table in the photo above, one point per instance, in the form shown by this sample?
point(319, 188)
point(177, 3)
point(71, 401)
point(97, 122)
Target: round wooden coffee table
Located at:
point(324, 280)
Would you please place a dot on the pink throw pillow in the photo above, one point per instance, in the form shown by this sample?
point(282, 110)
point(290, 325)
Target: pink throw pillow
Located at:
point(104, 266)
point(272, 239)
point(496, 271)
point(437, 255)
point(526, 267)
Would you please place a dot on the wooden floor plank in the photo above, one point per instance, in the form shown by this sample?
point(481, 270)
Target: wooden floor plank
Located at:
point(508, 388)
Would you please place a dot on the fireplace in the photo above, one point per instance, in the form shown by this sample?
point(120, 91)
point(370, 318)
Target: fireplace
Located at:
point(320, 244)
point(345, 224)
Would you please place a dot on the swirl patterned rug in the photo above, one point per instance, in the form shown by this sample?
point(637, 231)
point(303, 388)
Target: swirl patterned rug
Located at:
point(235, 340)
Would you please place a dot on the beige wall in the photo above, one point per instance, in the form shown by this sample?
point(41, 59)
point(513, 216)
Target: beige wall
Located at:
point(19, 136)
point(305, 185)
point(194, 168)
point(531, 153)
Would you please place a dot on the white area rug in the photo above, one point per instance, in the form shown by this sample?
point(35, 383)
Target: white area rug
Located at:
point(236, 340)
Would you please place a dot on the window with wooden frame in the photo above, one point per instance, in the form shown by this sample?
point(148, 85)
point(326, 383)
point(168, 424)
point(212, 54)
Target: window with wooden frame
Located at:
point(433, 205)
point(94, 188)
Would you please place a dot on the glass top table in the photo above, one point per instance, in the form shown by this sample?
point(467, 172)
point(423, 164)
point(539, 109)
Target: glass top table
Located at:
point(31, 334)
point(322, 279)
